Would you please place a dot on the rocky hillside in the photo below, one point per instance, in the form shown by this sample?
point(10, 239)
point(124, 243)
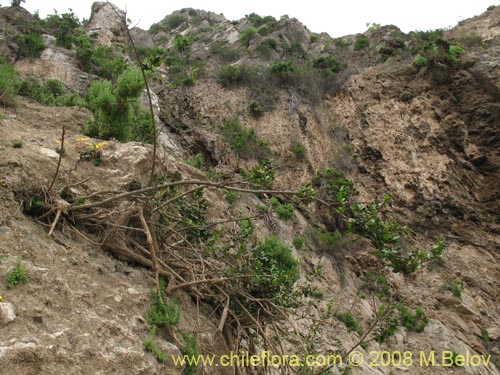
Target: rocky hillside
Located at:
point(301, 194)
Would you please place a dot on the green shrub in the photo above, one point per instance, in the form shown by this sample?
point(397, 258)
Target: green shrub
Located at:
point(328, 63)
point(196, 162)
point(265, 30)
point(285, 211)
point(275, 270)
point(350, 322)
point(454, 52)
point(150, 346)
point(258, 21)
point(64, 27)
point(244, 141)
point(361, 42)
point(314, 38)
point(191, 350)
point(84, 50)
point(298, 243)
point(52, 92)
point(114, 106)
point(30, 45)
point(17, 275)
point(266, 48)
point(298, 149)
point(255, 108)
point(107, 63)
point(471, 40)
point(164, 311)
point(414, 322)
point(339, 42)
point(247, 35)
point(224, 53)
point(262, 174)
point(9, 81)
point(294, 50)
point(17, 143)
point(420, 61)
point(233, 75)
point(182, 43)
point(454, 286)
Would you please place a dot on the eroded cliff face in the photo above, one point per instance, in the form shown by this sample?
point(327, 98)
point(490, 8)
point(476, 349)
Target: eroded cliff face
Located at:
point(430, 142)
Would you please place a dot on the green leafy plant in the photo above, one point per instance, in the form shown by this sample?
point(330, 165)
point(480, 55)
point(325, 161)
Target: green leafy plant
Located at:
point(275, 271)
point(420, 61)
point(8, 83)
point(191, 350)
point(150, 346)
point(350, 322)
point(164, 311)
point(17, 275)
point(284, 211)
point(243, 141)
point(17, 143)
point(247, 35)
point(196, 162)
point(455, 286)
point(30, 45)
point(361, 42)
point(298, 243)
point(298, 149)
point(262, 174)
point(413, 321)
point(329, 63)
point(115, 106)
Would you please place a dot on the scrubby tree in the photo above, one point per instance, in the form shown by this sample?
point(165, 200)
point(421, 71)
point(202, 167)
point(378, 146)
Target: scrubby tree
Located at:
point(17, 3)
point(115, 107)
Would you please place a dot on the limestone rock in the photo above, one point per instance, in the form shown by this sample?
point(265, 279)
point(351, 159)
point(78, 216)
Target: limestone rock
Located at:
point(7, 313)
point(109, 22)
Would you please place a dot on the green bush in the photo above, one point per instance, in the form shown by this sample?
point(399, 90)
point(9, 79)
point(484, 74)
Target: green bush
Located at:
point(52, 92)
point(275, 270)
point(64, 27)
point(454, 286)
point(258, 21)
point(164, 311)
point(247, 35)
point(298, 149)
point(454, 52)
point(284, 211)
point(17, 275)
point(115, 106)
point(414, 322)
point(262, 174)
point(350, 322)
point(420, 61)
point(361, 42)
point(191, 350)
point(150, 346)
point(107, 63)
point(182, 43)
point(298, 243)
point(328, 63)
point(30, 45)
point(9, 82)
point(244, 141)
point(224, 53)
point(233, 75)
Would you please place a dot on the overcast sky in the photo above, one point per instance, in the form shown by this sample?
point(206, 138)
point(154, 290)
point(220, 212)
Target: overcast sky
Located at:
point(337, 18)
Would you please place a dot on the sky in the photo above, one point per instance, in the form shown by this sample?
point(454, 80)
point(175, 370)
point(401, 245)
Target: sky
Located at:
point(337, 18)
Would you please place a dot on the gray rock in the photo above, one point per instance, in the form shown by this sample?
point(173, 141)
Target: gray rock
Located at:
point(7, 313)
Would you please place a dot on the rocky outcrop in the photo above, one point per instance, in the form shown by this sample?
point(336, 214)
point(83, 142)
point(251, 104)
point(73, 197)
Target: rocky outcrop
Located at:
point(109, 22)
